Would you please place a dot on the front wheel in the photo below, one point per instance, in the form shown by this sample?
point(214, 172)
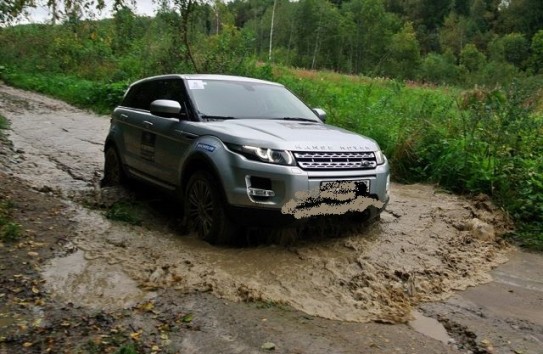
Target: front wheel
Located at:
point(205, 210)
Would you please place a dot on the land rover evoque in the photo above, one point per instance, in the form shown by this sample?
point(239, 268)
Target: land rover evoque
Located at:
point(240, 151)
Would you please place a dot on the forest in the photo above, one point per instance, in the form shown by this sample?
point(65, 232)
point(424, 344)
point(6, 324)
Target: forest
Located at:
point(456, 42)
point(451, 89)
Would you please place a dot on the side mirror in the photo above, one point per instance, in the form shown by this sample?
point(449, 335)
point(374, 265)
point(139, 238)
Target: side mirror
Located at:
point(165, 108)
point(320, 113)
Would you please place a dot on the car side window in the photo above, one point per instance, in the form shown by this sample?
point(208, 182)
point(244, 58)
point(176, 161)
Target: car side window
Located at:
point(170, 90)
point(173, 89)
point(140, 96)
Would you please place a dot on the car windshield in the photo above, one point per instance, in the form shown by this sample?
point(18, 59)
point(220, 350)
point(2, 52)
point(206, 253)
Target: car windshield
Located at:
point(243, 99)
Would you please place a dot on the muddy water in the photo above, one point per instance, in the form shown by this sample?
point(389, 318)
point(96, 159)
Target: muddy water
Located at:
point(422, 249)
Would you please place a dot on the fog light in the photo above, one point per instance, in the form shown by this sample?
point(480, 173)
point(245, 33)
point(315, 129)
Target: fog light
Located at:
point(388, 184)
point(258, 192)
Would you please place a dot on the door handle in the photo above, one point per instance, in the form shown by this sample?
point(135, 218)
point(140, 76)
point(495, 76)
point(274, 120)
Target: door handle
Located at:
point(185, 134)
point(147, 124)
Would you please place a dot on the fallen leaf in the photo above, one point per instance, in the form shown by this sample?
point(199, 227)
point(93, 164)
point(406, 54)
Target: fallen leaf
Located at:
point(35, 290)
point(486, 342)
point(268, 346)
point(27, 344)
point(187, 318)
point(148, 306)
point(136, 335)
point(33, 254)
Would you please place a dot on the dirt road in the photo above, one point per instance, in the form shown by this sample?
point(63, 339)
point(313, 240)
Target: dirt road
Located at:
point(318, 294)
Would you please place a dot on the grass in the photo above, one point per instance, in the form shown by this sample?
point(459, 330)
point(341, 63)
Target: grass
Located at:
point(9, 230)
point(100, 97)
point(125, 212)
point(3, 124)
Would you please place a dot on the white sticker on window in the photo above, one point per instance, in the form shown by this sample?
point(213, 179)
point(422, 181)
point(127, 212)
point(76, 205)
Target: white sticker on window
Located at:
point(196, 85)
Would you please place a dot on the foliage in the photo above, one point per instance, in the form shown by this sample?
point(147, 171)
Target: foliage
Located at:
point(370, 37)
point(99, 96)
point(439, 69)
point(403, 54)
point(471, 58)
point(537, 51)
point(9, 231)
point(3, 123)
point(126, 212)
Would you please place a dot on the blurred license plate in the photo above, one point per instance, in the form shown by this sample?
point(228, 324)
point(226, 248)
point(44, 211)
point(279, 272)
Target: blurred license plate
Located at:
point(360, 186)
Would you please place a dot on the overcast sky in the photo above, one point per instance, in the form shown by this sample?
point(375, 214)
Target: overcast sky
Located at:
point(41, 14)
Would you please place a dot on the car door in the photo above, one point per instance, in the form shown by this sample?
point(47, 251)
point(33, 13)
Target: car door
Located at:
point(171, 139)
point(145, 132)
point(133, 119)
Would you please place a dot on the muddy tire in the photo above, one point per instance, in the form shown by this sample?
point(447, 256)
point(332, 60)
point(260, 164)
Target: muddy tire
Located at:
point(206, 210)
point(113, 170)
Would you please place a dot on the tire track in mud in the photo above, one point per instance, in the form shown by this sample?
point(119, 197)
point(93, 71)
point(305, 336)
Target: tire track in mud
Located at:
point(425, 246)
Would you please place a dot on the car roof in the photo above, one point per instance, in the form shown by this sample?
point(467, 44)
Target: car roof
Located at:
point(207, 77)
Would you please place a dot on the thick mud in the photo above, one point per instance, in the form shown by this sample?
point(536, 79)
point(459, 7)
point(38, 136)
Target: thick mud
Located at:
point(427, 244)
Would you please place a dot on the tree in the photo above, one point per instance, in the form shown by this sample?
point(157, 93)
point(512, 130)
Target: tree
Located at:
point(471, 58)
point(373, 29)
point(439, 69)
point(515, 49)
point(522, 16)
point(403, 52)
point(455, 33)
point(537, 52)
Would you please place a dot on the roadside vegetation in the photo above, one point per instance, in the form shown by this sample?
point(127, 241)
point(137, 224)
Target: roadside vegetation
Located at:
point(458, 102)
point(9, 230)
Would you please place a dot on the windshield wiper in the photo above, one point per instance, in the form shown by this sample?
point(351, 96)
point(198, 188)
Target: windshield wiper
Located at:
point(298, 118)
point(212, 117)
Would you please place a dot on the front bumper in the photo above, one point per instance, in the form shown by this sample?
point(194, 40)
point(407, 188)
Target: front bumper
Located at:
point(293, 192)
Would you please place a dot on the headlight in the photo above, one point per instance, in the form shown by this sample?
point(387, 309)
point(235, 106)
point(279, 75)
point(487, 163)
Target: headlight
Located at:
point(279, 157)
point(380, 157)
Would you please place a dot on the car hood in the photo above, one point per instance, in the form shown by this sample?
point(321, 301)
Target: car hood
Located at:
point(283, 134)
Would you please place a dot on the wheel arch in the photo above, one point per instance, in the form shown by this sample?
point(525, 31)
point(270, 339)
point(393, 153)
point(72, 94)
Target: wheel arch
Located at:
point(200, 162)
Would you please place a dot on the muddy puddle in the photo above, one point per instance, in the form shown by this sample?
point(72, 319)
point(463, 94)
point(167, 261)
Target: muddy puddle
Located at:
point(426, 245)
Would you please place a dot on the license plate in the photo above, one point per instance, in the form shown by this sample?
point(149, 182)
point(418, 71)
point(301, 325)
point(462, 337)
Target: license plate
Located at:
point(359, 186)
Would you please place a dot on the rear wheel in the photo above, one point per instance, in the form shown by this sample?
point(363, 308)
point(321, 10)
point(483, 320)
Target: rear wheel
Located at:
point(113, 169)
point(205, 210)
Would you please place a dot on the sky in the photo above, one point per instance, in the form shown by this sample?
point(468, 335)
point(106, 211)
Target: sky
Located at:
point(41, 14)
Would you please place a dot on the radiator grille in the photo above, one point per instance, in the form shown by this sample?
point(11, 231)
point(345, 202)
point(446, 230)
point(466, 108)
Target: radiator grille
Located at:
point(335, 160)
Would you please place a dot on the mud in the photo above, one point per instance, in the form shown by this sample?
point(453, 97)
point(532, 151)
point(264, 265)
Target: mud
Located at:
point(503, 316)
point(424, 248)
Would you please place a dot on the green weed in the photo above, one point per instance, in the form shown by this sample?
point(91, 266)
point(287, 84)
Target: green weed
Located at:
point(126, 212)
point(127, 349)
point(3, 123)
point(9, 230)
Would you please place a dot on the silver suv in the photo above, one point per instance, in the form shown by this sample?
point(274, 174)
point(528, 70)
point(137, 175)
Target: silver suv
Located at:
point(240, 151)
